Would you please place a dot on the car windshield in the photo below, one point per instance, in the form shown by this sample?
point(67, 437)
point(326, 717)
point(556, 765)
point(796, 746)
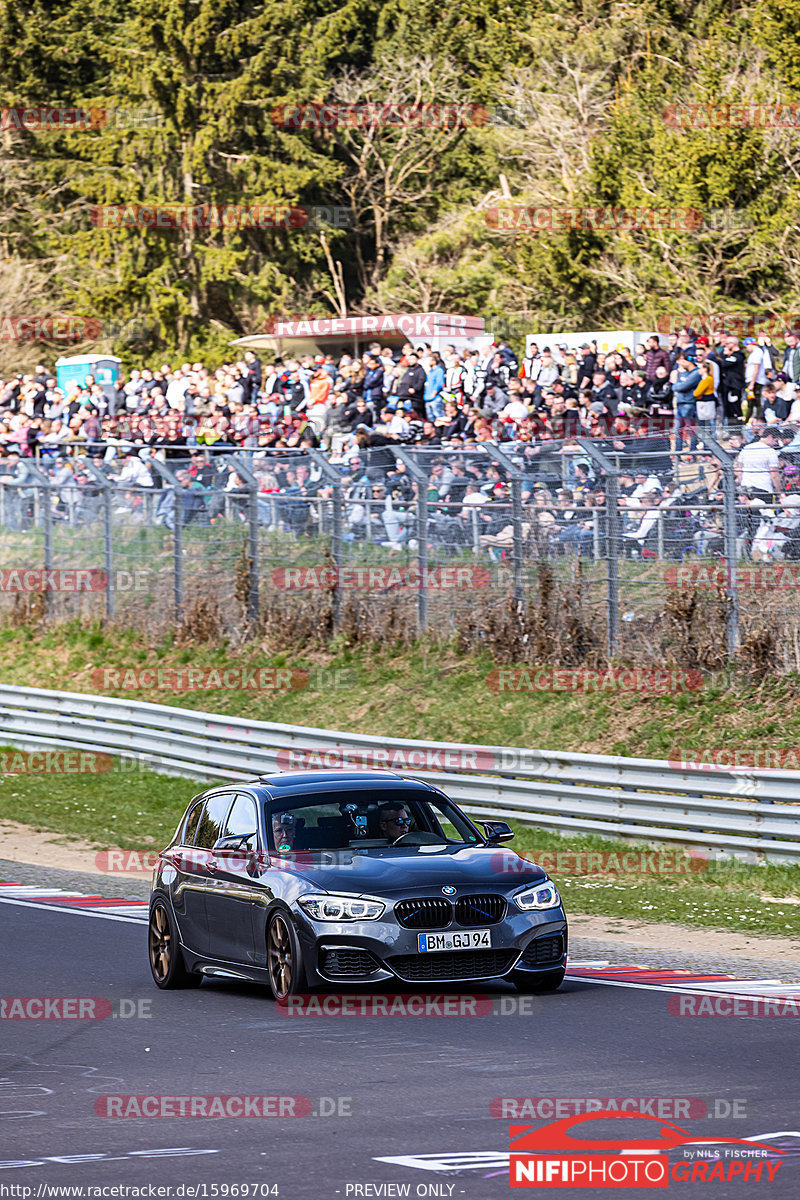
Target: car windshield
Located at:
point(365, 819)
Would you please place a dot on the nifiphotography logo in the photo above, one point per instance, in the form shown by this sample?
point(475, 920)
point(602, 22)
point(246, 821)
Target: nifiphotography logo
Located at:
point(552, 1156)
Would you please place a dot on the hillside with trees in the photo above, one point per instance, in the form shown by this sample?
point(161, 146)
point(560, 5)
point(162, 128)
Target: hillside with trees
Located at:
point(577, 106)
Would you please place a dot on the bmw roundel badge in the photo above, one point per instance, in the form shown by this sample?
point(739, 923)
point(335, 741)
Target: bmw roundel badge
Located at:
point(449, 891)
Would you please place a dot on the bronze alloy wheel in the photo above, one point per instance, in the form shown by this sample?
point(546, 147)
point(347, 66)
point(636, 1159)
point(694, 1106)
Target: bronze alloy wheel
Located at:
point(159, 940)
point(164, 950)
point(281, 959)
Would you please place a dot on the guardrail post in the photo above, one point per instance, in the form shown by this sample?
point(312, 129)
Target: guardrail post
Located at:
point(334, 478)
point(104, 483)
point(177, 533)
point(611, 470)
point(515, 475)
point(726, 461)
point(420, 477)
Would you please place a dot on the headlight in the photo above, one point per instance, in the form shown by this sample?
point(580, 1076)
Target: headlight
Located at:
point(341, 908)
point(541, 895)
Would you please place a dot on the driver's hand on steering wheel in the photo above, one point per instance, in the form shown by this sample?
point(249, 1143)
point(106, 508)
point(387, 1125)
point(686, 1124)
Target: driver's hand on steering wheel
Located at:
point(394, 824)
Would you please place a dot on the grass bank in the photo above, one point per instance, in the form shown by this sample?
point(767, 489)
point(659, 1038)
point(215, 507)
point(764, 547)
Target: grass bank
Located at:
point(417, 694)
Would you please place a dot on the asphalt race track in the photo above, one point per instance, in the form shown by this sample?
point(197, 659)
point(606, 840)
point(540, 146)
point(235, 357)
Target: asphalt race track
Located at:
point(396, 1087)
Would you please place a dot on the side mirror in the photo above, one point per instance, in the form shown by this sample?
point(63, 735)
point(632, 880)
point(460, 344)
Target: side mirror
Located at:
point(231, 843)
point(497, 831)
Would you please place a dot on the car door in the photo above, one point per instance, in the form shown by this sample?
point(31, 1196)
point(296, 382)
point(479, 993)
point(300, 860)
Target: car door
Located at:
point(195, 867)
point(234, 898)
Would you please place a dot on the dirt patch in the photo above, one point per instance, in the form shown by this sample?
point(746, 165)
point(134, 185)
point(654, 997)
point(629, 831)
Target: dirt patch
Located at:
point(717, 942)
point(23, 844)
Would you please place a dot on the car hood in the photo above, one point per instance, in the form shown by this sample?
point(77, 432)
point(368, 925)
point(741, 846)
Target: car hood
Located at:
point(411, 869)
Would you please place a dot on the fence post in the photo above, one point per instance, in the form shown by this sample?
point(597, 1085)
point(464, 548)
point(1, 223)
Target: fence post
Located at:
point(244, 471)
point(177, 533)
point(476, 533)
point(726, 461)
point(515, 475)
point(108, 531)
point(611, 470)
point(44, 507)
point(420, 477)
point(334, 478)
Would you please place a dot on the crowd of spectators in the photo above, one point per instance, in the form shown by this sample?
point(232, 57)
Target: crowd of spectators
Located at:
point(642, 405)
point(414, 396)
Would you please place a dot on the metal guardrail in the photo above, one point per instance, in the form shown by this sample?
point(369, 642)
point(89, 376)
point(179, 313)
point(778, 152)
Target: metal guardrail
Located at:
point(645, 799)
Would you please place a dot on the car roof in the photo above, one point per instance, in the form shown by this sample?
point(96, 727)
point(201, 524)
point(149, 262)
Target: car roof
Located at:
point(305, 783)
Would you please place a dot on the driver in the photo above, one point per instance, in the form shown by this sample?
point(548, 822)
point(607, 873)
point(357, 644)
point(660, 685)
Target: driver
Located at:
point(283, 831)
point(393, 820)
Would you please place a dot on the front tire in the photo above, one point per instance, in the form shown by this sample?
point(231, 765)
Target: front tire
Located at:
point(164, 950)
point(287, 976)
point(547, 981)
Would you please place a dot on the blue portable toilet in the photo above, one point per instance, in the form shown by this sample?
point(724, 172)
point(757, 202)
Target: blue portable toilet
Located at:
point(104, 367)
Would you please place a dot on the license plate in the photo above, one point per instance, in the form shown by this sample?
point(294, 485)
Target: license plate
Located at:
point(474, 939)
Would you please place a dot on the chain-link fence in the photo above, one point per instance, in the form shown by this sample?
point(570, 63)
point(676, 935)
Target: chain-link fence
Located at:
point(597, 538)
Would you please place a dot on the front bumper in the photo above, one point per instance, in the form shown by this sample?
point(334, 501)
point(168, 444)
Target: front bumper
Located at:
point(375, 951)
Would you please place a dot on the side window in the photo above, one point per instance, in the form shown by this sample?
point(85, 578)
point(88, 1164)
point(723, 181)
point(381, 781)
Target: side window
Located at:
point(190, 827)
point(242, 821)
point(212, 821)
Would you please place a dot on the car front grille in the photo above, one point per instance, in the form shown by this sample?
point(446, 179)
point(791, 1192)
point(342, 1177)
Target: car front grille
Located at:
point(543, 951)
point(480, 910)
point(426, 913)
point(461, 964)
point(344, 962)
point(430, 912)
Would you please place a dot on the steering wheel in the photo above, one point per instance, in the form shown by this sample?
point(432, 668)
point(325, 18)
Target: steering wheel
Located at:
point(423, 838)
